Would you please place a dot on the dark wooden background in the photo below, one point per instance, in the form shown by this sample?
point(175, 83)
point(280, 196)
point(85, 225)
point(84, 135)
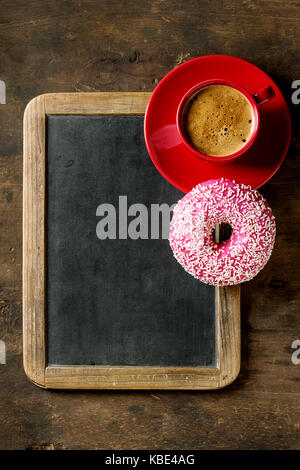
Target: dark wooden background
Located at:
point(129, 46)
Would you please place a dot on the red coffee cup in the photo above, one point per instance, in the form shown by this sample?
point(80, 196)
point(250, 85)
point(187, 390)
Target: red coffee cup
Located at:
point(254, 100)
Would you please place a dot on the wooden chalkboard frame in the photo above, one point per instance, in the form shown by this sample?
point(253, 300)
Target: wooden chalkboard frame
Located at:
point(34, 269)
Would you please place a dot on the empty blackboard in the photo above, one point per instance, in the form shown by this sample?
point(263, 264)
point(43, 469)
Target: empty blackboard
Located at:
point(118, 310)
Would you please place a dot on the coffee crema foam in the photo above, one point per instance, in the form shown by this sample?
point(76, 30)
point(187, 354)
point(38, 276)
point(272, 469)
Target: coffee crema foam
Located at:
point(218, 120)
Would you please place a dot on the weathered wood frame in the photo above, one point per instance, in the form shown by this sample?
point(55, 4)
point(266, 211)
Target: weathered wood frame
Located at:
point(34, 268)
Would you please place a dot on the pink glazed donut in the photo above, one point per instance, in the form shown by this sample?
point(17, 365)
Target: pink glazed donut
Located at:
point(250, 245)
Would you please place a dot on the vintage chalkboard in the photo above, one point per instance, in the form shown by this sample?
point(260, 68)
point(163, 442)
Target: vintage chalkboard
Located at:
point(105, 303)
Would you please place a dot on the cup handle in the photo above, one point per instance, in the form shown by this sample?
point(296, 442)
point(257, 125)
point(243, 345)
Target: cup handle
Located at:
point(263, 95)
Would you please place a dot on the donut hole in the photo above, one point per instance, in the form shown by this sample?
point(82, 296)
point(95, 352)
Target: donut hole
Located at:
point(222, 232)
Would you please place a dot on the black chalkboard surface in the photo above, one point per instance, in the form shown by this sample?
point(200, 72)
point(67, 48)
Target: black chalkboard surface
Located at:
point(116, 301)
point(105, 304)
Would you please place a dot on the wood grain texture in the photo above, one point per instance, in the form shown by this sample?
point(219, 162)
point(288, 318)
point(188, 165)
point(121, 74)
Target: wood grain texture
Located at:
point(34, 271)
point(134, 378)
point(96, 103)
point(228, 307)
point(228, 301)
point(113, 46)
point(34, 241)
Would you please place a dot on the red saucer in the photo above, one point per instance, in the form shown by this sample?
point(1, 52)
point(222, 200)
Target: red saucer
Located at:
point(177, 164)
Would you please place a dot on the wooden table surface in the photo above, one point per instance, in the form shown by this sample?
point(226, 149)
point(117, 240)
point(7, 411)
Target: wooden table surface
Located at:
point(129, 46)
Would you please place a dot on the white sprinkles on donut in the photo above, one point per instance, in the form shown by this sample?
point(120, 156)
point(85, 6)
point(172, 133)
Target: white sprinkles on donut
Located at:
point(250, 245)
